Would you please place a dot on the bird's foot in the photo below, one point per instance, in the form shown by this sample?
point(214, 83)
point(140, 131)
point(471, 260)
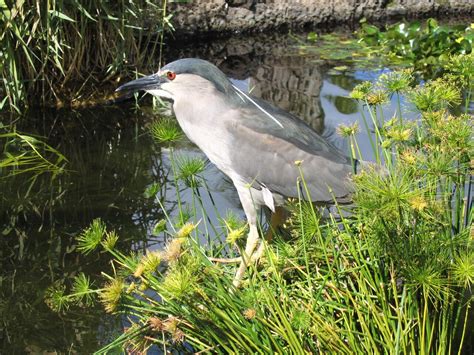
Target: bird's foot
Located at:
point(254, 259)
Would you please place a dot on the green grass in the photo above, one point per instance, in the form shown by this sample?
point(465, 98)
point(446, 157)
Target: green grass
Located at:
point(59, 53)
point(26, 154)
point(393, 276)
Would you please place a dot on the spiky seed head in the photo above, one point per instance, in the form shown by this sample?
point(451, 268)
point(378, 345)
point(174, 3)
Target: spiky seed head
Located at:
point(173, 250)
point(397, 81)
point(139, 270)
point(111, 294)
point(463, 267)
point(151, 190)
point(418, 203)
point(82, 290)
point(152, 260)
point(361, 91)
point(178, 336)
point(249, 313)
point(408, 157)
point(170, 324)
point(110, 240)
point(399, 134)
point(189, 170)
point(301, 320)
point(348, 131)
point(387, 143)
point(148, 263)
point(166, 131)
point(186, 230)
point(234, 235)
point(156, 324)
point(55, 297)
point(91, 237)
point(377, 97)
point(159, 227)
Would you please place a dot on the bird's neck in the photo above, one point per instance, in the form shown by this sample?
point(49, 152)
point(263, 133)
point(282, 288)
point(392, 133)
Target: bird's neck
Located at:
point(204, 119)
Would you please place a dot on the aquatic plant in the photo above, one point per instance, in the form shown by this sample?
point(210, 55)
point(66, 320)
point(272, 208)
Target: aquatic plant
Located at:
point(166, 131)
point(189, 168)
point(27, 154)
point(58, 52)
point(425, 46)
point(429, 49)
point(392, 275)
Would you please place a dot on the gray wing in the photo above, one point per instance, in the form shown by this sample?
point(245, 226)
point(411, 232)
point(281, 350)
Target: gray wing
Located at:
point(265, 153)
point(294, 130)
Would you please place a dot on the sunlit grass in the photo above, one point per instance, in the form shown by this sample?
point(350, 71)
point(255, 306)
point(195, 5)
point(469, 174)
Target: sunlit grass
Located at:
point(26, 154)
point(56, 53)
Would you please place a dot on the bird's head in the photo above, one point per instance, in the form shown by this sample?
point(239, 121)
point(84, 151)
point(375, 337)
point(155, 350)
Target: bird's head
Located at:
point(180, 77)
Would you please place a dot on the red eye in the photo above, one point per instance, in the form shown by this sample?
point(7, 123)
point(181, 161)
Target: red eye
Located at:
point(171, 75)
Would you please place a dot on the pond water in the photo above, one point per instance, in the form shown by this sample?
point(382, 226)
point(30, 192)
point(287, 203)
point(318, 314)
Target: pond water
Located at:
point(113, 159)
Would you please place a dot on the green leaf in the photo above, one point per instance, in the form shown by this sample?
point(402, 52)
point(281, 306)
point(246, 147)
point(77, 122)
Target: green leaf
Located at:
point(370, 29)
point(151, 190)
point(62, 16)
point(159, 227)
point(312, 36)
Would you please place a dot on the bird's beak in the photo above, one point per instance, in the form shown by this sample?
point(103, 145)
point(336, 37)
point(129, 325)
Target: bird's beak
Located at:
point(149, 82)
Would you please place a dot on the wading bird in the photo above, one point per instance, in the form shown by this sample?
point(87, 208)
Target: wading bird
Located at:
point(261, 148)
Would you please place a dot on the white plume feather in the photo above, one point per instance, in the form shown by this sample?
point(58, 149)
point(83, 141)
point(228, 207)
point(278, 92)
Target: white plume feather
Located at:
point(257, 105)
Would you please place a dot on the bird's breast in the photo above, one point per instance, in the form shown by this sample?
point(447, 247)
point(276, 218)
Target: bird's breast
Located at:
point(205, 127)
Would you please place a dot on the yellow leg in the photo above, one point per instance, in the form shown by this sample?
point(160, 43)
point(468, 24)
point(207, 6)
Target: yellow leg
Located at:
point(276, 220)
point(249, 256)
point(252, 241)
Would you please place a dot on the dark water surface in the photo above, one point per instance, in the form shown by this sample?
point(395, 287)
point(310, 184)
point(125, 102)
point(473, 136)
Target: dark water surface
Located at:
point(112, 160)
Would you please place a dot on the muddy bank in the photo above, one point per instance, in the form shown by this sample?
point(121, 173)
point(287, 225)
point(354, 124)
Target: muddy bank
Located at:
point(223, 17)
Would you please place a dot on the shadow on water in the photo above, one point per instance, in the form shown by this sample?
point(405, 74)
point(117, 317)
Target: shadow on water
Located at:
point(112, 160)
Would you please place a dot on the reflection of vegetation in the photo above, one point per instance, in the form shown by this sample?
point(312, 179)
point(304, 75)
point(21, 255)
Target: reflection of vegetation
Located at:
point(34, 254)
point(394, 276)
point(108, 169)
point(56, 52)
point(343, 104)
point(347, 82)
point(424, 46)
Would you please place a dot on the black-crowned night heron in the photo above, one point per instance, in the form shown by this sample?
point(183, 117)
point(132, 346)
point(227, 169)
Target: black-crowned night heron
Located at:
point(253, 142)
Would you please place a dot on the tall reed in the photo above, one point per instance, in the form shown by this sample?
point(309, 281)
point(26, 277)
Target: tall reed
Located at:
point(58, 52)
